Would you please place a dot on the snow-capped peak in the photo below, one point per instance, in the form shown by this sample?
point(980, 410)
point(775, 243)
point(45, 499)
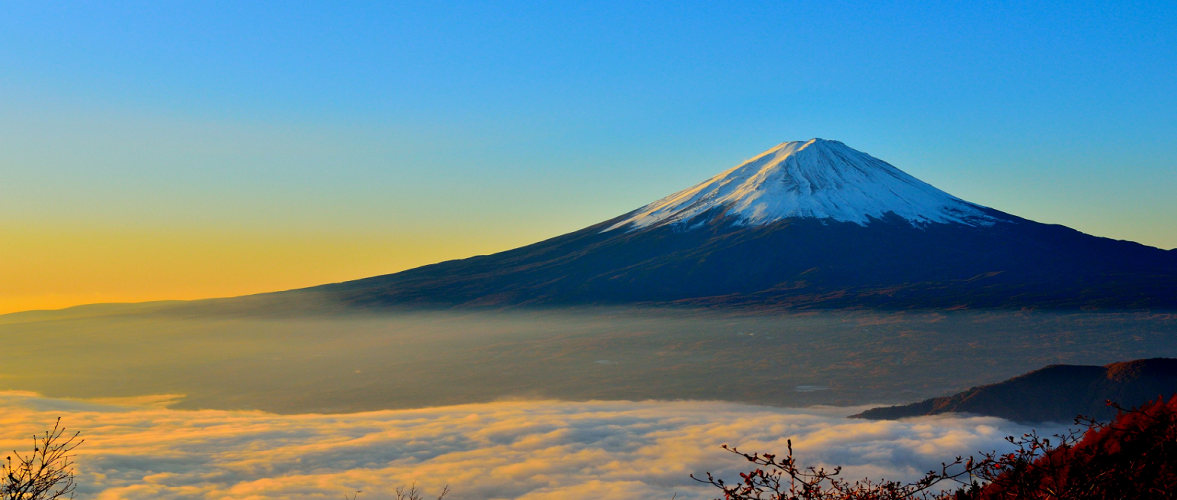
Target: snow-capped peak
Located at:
point(813, 179)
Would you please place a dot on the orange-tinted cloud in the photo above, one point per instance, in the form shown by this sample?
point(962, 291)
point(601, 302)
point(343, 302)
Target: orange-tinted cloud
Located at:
point(525, 450)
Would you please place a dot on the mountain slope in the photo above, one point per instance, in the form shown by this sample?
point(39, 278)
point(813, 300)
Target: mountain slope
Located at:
point(806, 224)
point(1056, 393)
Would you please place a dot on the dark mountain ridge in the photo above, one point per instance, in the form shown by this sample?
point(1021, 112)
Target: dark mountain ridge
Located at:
point(1056, 393)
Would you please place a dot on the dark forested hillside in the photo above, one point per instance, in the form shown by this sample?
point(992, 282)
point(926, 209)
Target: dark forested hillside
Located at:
point(1055, 393)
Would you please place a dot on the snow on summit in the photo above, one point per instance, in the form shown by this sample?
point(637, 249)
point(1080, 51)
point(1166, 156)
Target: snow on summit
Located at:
point(814, 179)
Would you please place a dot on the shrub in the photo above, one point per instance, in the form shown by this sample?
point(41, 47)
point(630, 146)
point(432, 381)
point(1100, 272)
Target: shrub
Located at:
point(1132, 457)
point(409, 493)
point(776, 478)
point(45, 474)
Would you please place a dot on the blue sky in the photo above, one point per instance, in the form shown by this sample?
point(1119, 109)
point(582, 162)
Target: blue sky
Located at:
point(411, 132)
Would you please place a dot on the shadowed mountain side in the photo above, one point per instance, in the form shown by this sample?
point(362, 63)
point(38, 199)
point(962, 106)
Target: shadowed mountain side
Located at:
point(794, 263)
point(805, 225)
point(1056, 393)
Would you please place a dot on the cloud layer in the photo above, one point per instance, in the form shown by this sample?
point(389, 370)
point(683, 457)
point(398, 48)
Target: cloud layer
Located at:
point(519, 450)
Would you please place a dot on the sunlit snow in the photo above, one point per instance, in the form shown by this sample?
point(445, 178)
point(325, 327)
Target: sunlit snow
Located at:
point(813, 179)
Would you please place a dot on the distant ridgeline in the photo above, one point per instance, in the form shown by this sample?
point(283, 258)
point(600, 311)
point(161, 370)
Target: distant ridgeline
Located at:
point(804, 225)
point(1056, 393)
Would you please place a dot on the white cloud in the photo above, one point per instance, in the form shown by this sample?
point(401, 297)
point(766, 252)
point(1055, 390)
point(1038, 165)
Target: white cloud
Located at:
point(527, 450)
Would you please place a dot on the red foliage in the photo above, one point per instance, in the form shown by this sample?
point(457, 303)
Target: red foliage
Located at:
point(1133, 457)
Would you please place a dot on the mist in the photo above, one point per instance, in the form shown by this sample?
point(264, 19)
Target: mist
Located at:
point(208, 358)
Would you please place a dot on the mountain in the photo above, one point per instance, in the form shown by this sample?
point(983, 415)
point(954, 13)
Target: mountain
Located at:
point(812, 224)
point(1056, 393)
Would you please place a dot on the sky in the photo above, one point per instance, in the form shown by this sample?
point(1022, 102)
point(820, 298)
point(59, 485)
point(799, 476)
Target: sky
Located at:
point(182, 150)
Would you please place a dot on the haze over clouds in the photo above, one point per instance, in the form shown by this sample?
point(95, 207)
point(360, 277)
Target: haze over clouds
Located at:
point(527, 450)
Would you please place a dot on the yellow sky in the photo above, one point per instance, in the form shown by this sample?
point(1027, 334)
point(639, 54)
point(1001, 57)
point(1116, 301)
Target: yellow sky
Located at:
point(67, 266)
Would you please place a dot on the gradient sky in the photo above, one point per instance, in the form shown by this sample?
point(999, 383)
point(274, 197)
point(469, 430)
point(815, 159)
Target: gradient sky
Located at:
point(162, 150)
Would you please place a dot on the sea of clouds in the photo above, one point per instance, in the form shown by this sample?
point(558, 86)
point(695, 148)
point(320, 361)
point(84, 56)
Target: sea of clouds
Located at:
point(139, 449)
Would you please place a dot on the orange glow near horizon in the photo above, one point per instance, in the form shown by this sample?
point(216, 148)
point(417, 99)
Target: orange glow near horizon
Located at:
point(64, 267)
